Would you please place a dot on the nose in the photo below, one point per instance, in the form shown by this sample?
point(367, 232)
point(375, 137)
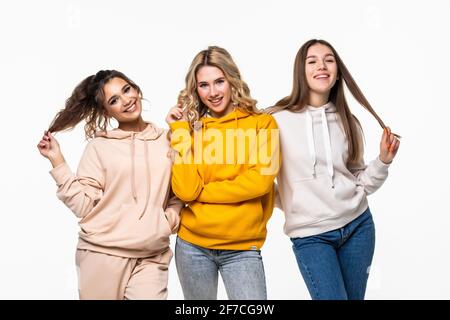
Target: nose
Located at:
point(126, 100)
point(321, 65)
point(213, 91)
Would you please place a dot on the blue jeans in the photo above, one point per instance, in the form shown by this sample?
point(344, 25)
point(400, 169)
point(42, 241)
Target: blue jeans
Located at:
point(198, 269)
point(335, 265)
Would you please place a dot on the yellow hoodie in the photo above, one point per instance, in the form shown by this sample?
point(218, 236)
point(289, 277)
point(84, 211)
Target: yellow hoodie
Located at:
point(227, 184)
point(121, 193)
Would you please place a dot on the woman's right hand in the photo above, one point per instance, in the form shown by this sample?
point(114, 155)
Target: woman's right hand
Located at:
point(49, 148)
point(388, 146)
point(176, 114)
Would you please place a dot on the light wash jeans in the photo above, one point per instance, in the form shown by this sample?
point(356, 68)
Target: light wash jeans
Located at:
point(198, 269)
point(335, 265)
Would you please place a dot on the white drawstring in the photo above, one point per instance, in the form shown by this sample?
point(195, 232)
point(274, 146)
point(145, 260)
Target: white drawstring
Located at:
point(327, 143)
point(326, 136)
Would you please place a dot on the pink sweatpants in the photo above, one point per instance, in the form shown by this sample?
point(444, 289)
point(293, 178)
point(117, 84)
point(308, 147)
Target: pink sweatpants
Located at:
point(102, 276)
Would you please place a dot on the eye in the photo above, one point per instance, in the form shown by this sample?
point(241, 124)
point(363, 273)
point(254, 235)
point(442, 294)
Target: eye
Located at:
point(202, 85)
point(220, 81)
point(311, 62)
point(127, 89)
point(330, 60)
point(113, 101)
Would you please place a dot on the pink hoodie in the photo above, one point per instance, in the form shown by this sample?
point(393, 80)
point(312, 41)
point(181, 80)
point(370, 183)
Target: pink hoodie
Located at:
point(121, 193)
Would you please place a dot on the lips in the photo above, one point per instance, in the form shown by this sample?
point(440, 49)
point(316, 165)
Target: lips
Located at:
point(321, 76)
point(216, 102)
point(131, 108)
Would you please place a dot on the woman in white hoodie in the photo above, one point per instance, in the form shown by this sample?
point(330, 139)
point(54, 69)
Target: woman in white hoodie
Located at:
point(120, 191)
point(323, 182)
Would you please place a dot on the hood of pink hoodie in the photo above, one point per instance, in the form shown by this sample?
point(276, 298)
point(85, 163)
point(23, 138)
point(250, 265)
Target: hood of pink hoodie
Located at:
point(151, 132)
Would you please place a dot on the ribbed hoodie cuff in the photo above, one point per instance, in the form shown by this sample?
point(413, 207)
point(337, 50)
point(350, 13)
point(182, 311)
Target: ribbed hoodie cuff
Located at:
point(61, 173)
point(380, 165)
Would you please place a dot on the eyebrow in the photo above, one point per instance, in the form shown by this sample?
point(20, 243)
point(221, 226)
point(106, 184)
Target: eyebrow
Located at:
point(327, 55)
point(115, 96)
point(205, 82)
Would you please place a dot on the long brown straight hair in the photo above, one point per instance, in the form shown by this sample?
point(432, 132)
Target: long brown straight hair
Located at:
point(299, 98)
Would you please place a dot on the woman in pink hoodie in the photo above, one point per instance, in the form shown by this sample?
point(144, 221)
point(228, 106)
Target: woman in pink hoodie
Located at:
point(121, 191)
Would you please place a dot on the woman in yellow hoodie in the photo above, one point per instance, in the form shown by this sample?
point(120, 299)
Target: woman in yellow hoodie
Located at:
point(226, 158)
point(120, 192)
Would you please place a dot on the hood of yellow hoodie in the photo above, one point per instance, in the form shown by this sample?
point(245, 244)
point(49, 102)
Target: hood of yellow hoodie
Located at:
point(151, 132)
point(227, 121)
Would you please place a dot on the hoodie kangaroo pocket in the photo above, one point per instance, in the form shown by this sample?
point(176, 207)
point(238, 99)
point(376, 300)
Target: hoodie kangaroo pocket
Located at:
point(314, 200)
point(345, 189)
point(309, 200)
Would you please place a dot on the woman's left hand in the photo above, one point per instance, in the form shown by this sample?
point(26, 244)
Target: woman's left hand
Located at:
point(388, 146)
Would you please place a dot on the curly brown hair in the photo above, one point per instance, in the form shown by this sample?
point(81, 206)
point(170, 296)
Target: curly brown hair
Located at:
point(87, 103)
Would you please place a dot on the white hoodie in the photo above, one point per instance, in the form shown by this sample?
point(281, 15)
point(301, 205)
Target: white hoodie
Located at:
point(318, 191)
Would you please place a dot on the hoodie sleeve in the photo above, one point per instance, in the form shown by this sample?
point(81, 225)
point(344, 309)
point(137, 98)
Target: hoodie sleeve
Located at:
point(370, 176)
point(186, 180)
point(259, 178)
point(80, 192)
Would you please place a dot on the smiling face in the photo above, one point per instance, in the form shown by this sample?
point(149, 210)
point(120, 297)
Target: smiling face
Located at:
point(122, 102)
point(321, 72)
point(214, 90)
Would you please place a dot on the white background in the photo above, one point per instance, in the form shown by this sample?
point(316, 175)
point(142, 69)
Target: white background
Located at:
point(397, 51)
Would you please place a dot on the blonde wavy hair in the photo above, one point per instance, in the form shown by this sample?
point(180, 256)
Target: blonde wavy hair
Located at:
point(240, 93)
